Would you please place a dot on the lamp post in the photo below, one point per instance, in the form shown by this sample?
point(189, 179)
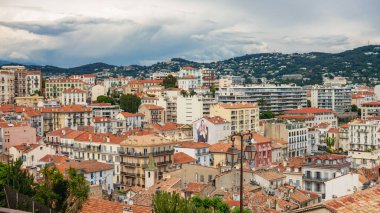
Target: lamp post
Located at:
point(248, 153)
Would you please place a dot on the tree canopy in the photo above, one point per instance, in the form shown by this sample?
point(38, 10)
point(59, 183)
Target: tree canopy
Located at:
point(169, 82)
point(105, 99)
point(130, 103)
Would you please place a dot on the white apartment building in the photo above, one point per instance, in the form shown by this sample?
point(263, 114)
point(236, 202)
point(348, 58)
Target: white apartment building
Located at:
point(312, 116)
point(7, 87)
point(329, 176)
point(133, 120)
point(274, 98)
point(30, 154)
point(295, 133)
point(105, 110)
point(211, 130)
point(364, 135)
point(368, 160)
point(189, 109)
point(74, 96)
point(87, 78)
point(110, 82)
point(335, 98)
point(243, 116)
point(371, 110)
point(33, 81)
point(188, 82)
point(197, 150)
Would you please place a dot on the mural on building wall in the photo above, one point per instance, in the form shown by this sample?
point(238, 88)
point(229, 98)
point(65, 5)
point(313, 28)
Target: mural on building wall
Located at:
point(202, 132)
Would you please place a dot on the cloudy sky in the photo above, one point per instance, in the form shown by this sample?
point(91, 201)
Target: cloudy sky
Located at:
point(72, 32)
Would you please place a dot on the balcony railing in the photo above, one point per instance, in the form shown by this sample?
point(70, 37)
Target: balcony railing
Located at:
point(314, 178)
point(139, 154)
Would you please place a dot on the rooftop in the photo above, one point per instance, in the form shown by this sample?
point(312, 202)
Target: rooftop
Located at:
point(97, 205)
point(86, 166)
point(309, 110)
point(193, 145)
point(182, 158)
point(270, 175)
point(238, 106)
point(146, 141)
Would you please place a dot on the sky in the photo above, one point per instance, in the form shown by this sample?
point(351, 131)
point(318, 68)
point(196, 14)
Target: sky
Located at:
point(70, 33)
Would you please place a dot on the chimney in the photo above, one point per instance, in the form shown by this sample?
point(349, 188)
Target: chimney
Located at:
point(90, 137)
point(63, 132)
point(127, 209)
point(108, 139)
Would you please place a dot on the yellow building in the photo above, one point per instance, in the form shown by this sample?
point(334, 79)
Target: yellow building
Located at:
point(243, 116)
point(29, 101)
point(135, 153)
point(137, 86)
point(71, 116)
point(55, 87)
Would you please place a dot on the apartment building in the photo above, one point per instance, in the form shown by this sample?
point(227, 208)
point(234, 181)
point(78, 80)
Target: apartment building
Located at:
point(111, 82)
point(242, 116)
point(335, 98)
point(35, 119)
point(15, 133)
point(29, 101)
point(263, 147)
point(27, 82)
point(364, 135)
point(294, 133)
point(189, 109)
point(274, 98)
point(97, 91)
point(74, 96)
point(71, 116)
point(133, 120)
point(104, 110)
point(199, 151)
point(211, 130)
point(371, 110)
point(137, 151)
point(55, 87)
point(7, 87)
point(329, 176)
point(152, 113)
point(188, 82)
point(169, 102)
point(30, 154)
point(191, 71)
point(312, 116)
point(137, 86)
point(87, 78)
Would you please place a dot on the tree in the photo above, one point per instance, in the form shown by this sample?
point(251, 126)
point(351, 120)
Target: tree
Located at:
point(237, 210)
point(308, 103)
point(78, 191)
point(169, 82)
point(184, 93)
point(105, 99)
point(266, 115)
point(354, 108)
point(330, 141)
point(130, 103)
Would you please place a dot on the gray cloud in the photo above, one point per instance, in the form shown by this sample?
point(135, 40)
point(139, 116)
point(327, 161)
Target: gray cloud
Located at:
point(121, 32)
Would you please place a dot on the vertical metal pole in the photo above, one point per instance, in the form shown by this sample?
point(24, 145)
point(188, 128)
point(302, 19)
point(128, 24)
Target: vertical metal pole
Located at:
point(241, 173)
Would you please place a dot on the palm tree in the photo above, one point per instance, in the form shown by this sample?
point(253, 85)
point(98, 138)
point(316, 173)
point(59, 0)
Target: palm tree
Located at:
point(78, 191)
point(330, 141)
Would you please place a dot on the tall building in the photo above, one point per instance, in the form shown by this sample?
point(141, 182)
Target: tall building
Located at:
point(7, 87)
point(274, 98)
point(312, 116)
point(55, 87)
point(371, 110)
point(87, 78)
point(294, 133)
point(242, 116)
point(135, 152)
point(74, 96)
point(189, 109)
point(364, 135)
point(335, 98)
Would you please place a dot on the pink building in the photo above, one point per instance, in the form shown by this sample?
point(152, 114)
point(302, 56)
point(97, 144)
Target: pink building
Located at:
point(17, 133)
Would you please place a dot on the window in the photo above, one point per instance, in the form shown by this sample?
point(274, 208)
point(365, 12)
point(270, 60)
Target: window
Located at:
point(202, 179)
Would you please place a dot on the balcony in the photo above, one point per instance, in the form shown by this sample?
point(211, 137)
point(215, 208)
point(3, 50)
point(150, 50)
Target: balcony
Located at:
point(314, 178)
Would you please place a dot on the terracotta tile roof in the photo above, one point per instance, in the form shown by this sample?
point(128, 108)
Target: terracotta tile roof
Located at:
point(374, 118)
point(99, 138)
point(73, 90)
point(362, 201)
point(139, 132)
point(260, 139)
point(300, 196)
point(233, 203)
point(373, 103)
point(152, 107)
point(296, 117)
point(54, 159)
point(327, 156)
point(97, 205)
point(269, 175)
point(216, 120)
point(366, 93)
point(285, 205)
point(357, 96)
point(86, 166)
point(164, 127)
point(146, 81)
point(188, 77)
point(309, 110)
point(219, 147)
point(7, 108)
point(66, 109)
point(60, 132)
point(101, 120)
point(101, 104)
point(322, 125)
point(32, 113)
point(193, 145)
point(188, 68)
point(238, 106)
point(182, 158)
point(333, 130)
point(195, 187)
point(345, 126)
point(26, 148)
point(13, 124)
point(128, 114)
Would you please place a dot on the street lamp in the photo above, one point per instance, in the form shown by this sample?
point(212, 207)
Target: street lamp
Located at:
point(248, 153)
